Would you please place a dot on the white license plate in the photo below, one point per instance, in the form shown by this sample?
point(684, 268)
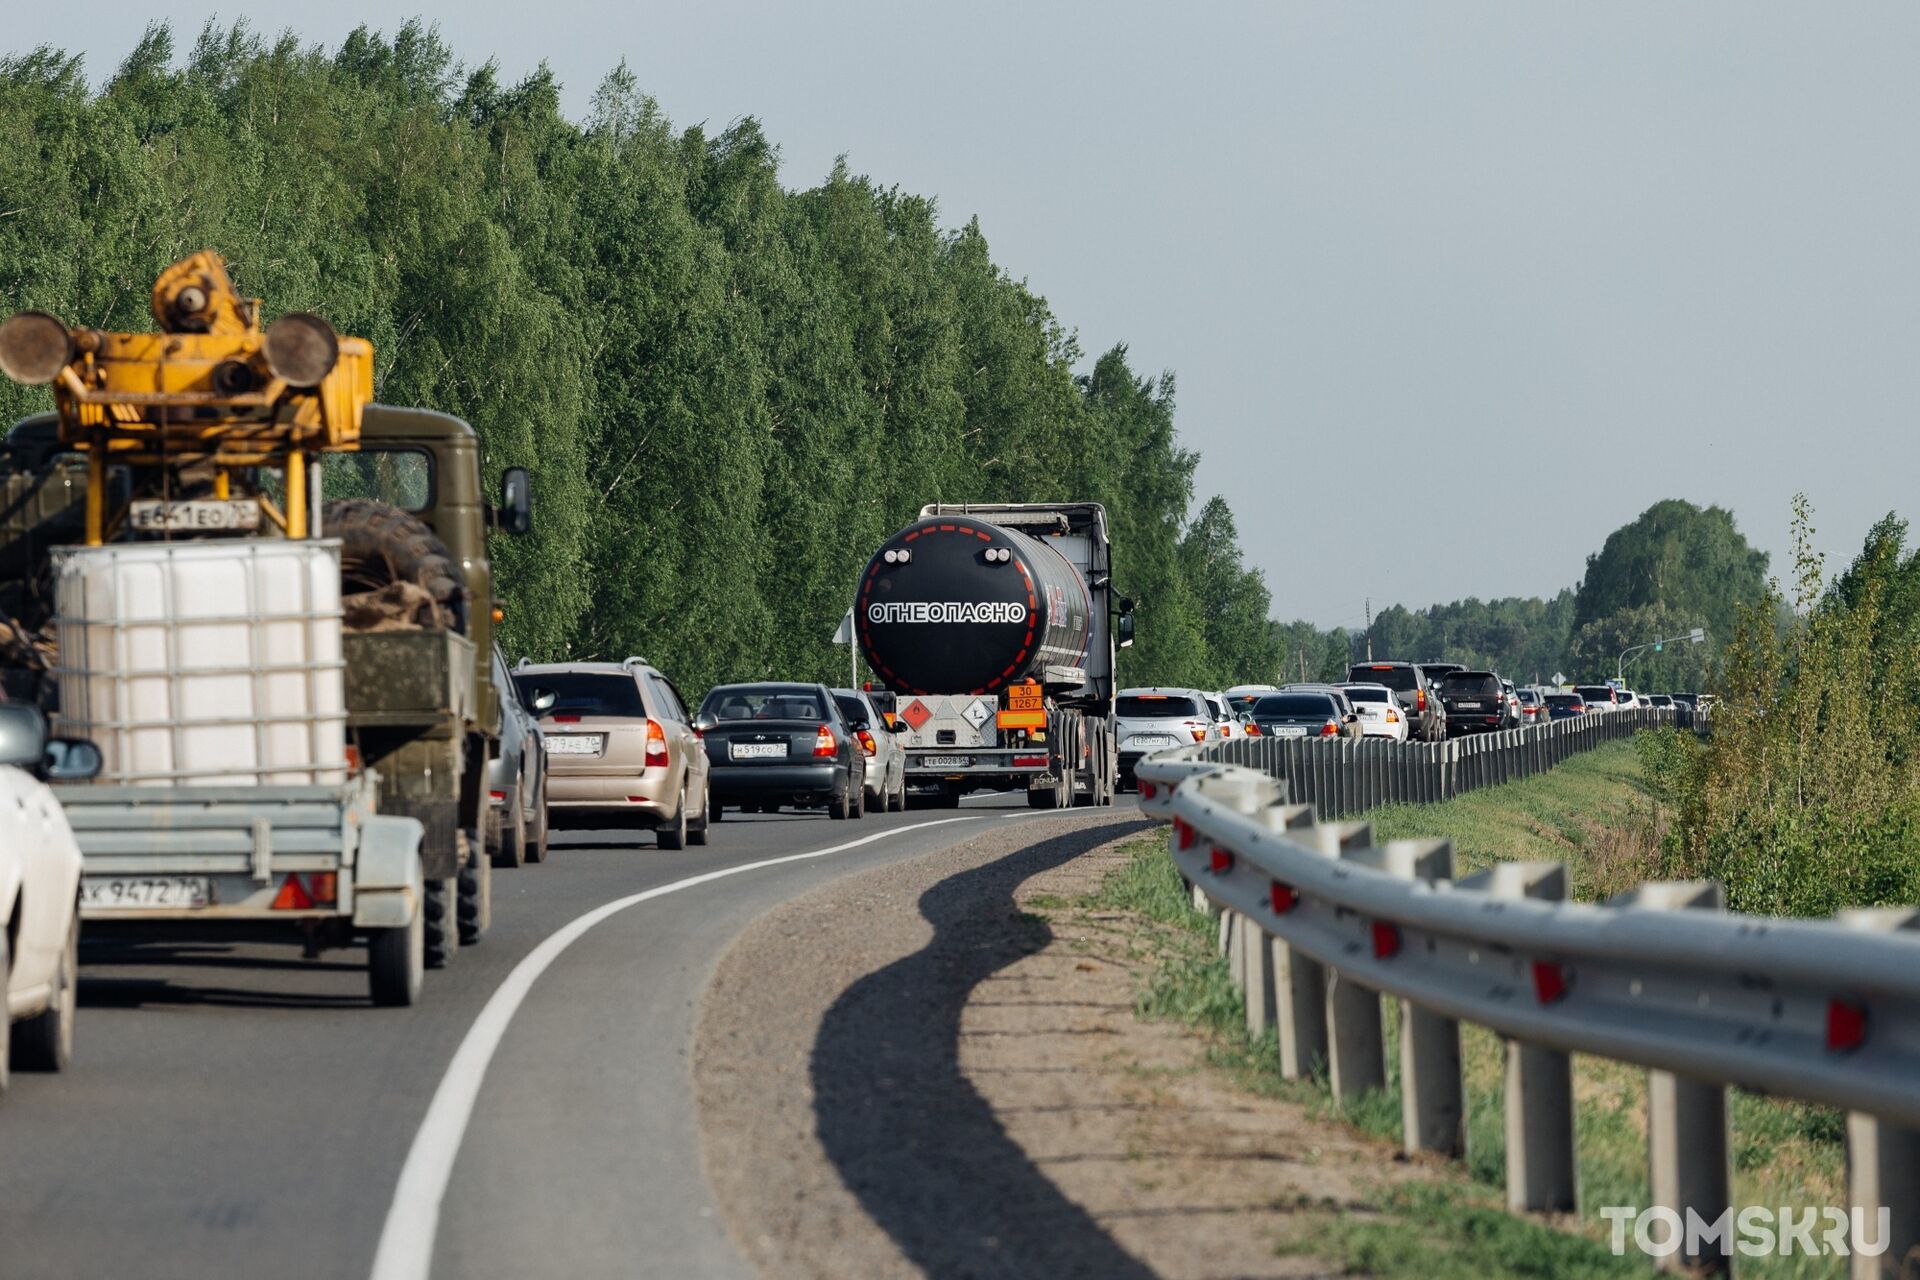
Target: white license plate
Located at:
point(1467, 706)
point(151, 514)
point(143, 891)
point(1151, 740)
point(758, 750)
point(573, 744)
point(1289, 731)
point(946, 762)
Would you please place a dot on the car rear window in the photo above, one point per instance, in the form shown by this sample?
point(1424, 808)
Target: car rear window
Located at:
point(746, 703)
point(1369, 695)
point(584, 693)
point(853, 709)
point(1595, 693)
point(1468, 683)
point(1293, 704)
point(1564, 700)
point(1157, 706)
point(1399, 679)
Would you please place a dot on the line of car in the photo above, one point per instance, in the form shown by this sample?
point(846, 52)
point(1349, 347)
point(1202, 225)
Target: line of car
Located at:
point(1397, 701)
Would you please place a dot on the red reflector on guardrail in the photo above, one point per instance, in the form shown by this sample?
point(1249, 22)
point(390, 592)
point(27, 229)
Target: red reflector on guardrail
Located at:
point(1183, 833)
point(1386, 940)
point(1549, 982)
point(1283, 897)
point(1846, 1025)
point(1221, 861)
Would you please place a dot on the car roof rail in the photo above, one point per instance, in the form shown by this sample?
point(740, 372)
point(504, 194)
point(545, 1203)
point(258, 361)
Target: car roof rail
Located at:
point(635, 661)
point(523, 664)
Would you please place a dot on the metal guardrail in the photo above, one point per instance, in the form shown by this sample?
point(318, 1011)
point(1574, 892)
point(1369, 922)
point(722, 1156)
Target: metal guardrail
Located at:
point(1319, 923)
point(1341, 776)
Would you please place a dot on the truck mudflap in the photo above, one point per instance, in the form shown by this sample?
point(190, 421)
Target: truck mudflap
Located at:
point(389, 886)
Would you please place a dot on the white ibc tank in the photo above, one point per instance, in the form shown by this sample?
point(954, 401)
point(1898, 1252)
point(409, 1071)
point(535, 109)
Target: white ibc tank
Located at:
point(205, 663)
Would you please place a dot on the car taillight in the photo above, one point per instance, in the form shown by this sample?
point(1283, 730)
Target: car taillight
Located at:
point(1393, 717)
point(1029, 762)
point(1253, 730)
point(656, 745)
point(1420, 700)
point(824, 744)
point(867, 744)
point(1199, 731)
point(566, 719)
point(498, 797)
point(1328, 729)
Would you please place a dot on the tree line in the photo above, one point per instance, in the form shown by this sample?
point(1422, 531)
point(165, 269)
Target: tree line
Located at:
point(729, 391)
point(1673, 568)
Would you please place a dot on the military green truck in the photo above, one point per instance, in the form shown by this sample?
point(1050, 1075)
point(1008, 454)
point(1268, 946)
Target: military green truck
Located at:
point(269, 602)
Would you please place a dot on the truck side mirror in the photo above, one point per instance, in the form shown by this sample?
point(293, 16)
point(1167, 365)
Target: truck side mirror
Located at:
point(515, 515)
point(72, 760)
point(1125, 630)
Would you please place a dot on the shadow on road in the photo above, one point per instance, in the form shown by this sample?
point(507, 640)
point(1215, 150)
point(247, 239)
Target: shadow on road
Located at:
point(910, 1137)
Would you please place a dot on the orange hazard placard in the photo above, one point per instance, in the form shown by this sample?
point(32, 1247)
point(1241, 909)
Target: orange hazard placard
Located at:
point(1025, 697)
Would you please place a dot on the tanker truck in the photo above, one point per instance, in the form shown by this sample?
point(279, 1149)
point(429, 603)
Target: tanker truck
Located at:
point(995, 626)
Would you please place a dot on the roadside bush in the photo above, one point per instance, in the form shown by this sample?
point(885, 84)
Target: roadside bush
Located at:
point(1807, 797)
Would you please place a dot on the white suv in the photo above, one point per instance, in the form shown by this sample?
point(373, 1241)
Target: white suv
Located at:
point(1158, 719)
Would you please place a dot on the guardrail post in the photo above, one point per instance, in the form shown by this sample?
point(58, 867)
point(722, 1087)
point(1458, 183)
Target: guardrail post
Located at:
point(1299, 982)
point(1541, 1172)
point(1357, 1060)
point(1883, 1159)
point(1256, 970)
point(1686, 1118)
point(1432, 1099)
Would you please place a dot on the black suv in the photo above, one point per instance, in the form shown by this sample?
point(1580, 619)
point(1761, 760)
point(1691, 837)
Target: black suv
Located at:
point(1476, 702)
point(1419, 702)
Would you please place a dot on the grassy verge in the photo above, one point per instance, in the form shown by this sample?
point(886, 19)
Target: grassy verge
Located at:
point(1596, 814)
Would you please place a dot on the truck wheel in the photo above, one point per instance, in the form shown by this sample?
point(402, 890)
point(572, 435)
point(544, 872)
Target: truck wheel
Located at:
point(442, 936)
point(396, 963)
point(674, 836)
point(513, 839)
point(840, 806)
point(476, 894)
point(395, 565)
point(44, 1042)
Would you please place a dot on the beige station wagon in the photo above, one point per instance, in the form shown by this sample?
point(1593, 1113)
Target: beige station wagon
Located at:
point(621, 749)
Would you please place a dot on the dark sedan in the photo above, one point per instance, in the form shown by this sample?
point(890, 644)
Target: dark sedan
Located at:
point(1476, 702)
point(1565, 706)
point(1299, 715)
point(781, 744)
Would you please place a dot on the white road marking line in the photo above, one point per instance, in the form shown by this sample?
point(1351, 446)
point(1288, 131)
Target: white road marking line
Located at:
point(413, 1220)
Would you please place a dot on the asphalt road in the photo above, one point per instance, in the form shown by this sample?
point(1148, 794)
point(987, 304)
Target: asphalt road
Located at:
point(237, 1111)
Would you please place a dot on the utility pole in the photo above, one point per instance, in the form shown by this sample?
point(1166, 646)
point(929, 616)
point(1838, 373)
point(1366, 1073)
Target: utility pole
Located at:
point(1369, 628)
point(1303, 666)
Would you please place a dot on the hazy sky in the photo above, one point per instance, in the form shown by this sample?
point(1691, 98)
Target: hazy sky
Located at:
point(1451, 290)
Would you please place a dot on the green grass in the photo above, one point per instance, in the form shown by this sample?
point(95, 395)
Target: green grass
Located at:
point(1597, 814)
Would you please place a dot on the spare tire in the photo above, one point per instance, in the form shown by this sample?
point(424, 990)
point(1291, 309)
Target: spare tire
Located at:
point(394, 570)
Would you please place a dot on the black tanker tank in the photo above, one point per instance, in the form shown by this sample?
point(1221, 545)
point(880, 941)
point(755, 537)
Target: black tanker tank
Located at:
point(956, 605)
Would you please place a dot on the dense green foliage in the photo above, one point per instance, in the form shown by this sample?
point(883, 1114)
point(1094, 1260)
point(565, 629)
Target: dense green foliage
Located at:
point(1675, 567)
point(729, 392)
point(1807, 797)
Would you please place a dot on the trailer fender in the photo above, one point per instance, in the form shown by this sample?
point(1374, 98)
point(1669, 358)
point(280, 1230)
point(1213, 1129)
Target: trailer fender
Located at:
point(389, 883)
